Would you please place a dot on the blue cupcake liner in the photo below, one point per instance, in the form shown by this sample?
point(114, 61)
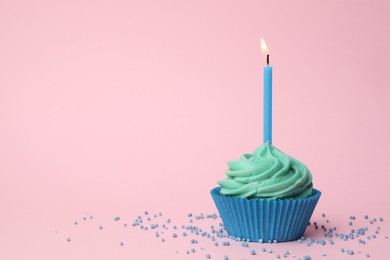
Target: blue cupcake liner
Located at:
point(281, 219)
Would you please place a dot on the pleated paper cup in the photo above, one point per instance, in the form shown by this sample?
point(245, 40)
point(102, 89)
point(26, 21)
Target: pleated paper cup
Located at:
point(281, 219)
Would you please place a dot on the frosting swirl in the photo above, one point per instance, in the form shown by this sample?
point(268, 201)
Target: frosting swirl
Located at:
point(268, 173)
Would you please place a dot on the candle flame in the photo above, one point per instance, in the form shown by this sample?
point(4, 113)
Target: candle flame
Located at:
point(264, 48)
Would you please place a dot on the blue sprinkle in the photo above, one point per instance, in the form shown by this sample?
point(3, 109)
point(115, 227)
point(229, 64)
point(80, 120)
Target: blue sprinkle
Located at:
point(323, 254)
point(299, 241)
point(168, 220)
point(342, 250)
point(371, 222)
point(270, 250)
point(174, 235)
point(367, 255)
point(365, 217)
point(216, 244)
point(380, 219)
point(174, 227)
point(189, 215)
point(306, 257)
point(275, 241)
point(373, 236)
point(146, 213)
point(374, 219)
point(193, 250)
point(157, 234)
point(260, 240)
point(162, 240)
point(278, 256)
point(263, 249)
point(68, 239)
point(244, 244)
point(148, 219)
point(225, 257)
point(252, 252)
point(208, 256)
point(100, 227)
point(350, 223)
point(116, 218)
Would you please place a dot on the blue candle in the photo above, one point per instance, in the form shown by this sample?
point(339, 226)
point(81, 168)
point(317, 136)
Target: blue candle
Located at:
point(268, 104)
point(267, 117)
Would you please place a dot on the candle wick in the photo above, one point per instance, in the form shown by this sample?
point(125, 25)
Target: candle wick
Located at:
point(267, 59)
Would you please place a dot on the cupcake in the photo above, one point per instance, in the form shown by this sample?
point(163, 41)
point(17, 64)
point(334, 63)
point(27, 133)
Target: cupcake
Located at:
point(266, 196)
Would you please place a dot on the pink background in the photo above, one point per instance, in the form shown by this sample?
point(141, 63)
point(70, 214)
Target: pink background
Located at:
point(116, 107)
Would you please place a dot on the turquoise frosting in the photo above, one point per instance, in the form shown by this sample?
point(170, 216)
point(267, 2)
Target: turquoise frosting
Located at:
point(268, 173)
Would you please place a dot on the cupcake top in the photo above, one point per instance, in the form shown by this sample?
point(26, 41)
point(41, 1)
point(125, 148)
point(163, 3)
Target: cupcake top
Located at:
point(268, 173)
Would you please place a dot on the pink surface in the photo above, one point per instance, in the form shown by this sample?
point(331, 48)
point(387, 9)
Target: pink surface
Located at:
point(116, 107)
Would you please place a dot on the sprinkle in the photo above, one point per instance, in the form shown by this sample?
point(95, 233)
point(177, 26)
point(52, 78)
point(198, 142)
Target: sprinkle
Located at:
point(225, 257)
point(270, 250)
point(148, 218)
point(168, 220)
point(263, 249)
point(100, 227)
point(371, 222)
point(117, 218)
point(75, 223)
point(193, 250)
point(208, 256)
point(121, 243)
point(174, 235)
point(275, 241)
point(252, 252)
point(91, 217)
point(380, 219)
point(260, 241)
point(367, 255)
point(174, 227)
point(84, 218)
point(184, 234)
point(162, 240)
point(342, 250)
point(146, 213)
point(68, 239)
point(323, 254)
point(323, 215)
point(244, 244)
point(365, 217)
point(350, 223)
point(187, 252)
point(216, 244)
